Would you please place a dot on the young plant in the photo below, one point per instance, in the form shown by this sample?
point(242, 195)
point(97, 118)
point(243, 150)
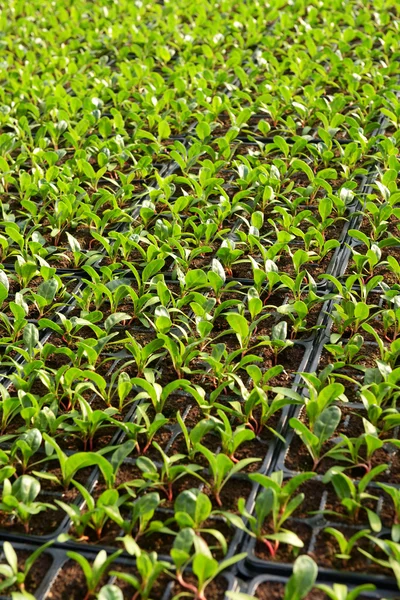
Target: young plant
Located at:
point(143, 426)
point(339, 591)
point(13, 573)
point(95, 515)
point(299, 585)
point(180, 354)
point(143, 355)
point(278, 341)
point(196, 433)
point(317, 399)
point(18, 499)
point(354, 495)
point(231, 438)
point(224, 364)
point(302, 580)
point(392, 551)
point(222, 469)
point(394, 494)
point(140, 519)
point(347, 350)
point(242, 329)
point(159, 395)
point(274, 505)
point(187, 549)
point(324, 428)
point(70, 465)
point(87, 423)
point(229, 255)
point(165, 477)
point(346, 545)
point(149, 569)
point(94, 572)
point(193, 508)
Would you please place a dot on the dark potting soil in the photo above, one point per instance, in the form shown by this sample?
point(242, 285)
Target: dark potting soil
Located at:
point(36, 573)
point(285, 553)
point(70, 583)
point(271, 590)
point(42, 524)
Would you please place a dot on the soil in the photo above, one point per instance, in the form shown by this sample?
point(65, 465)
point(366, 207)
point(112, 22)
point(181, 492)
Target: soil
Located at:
point(367, 356)
point(351, 424)
point(381, 269)
point(128, 591)
point(271, 590)
point(108, 536)
point(323, 551)
point(43, 524)
point(70, 583)
point(285, 553)
point(36, 574)
point(214, 591)
point(326, 547)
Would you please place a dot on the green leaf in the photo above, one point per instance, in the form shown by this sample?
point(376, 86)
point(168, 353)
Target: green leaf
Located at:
point(152, 268)
point(196, 278)
point(299, 164)
point(110, 592)
point(203, 130)
point(239, 325)
point(279, 331)
point(164, 130)
point(81, 460)
point(361, 311)
point(130, 545)
point(327, 174)
point(204, 567)
point(87, 168)
point(3, 292)
point(228, 562)
point(105, 127)
point(22, 596)
point(114, 319)
point(299, 258)
point(344, 487)
point(11, 556)
point(264, 503)
point(194, 503)
point(48, 289)
point(26, 488)
point(374, 521)
point(83, 563)
point(287, 537)
point(281, 143)
point(301, 582)
point(301, 429)
point(31, 337)
point(327, 422)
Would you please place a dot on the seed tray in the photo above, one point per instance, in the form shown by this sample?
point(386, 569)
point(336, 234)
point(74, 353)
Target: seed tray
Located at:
point(254, 566)
point(315, 525)
point(59, 559)
point(314, 347)
point(119, 437)
point(258, 581)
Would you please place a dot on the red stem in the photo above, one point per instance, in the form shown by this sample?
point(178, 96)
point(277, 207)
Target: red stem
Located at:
point(271, 547)
point(145, 448)
point(187, 586)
